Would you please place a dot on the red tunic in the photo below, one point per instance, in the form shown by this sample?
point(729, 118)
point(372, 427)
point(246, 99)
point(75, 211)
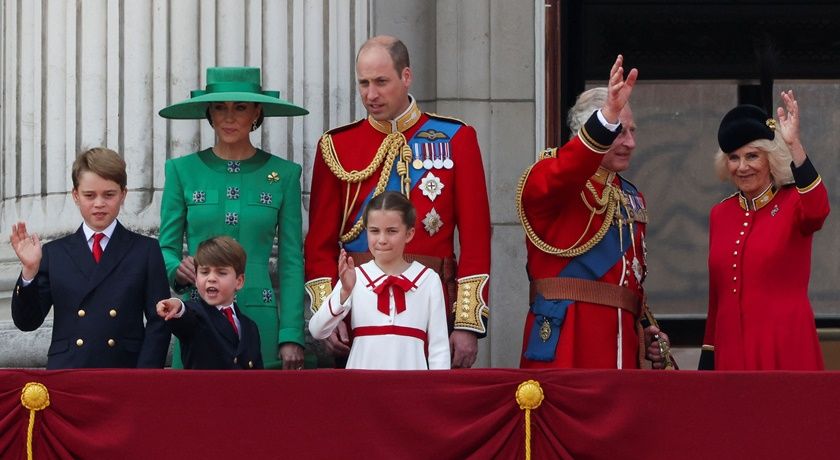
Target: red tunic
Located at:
point(551, 200)
point(462, 204)
point(759, 266)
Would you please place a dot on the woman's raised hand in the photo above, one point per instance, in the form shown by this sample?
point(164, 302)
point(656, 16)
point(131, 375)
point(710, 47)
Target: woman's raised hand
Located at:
point(789, 126)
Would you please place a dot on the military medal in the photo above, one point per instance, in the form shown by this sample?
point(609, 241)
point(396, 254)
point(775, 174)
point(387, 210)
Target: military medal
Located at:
point(431, 186)
point(447, 161)
point(438, 153)
point(432, 222)
point(417, 163)
point(427, 163)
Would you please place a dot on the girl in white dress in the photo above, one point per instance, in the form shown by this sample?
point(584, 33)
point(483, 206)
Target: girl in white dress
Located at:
point(399, 315)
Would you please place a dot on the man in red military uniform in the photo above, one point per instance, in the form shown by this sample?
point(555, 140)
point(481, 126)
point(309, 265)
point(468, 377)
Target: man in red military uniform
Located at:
point(585, 228)
point(435, 161)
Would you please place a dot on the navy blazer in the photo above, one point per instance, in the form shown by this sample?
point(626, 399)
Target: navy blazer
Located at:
point(99, 308)
point(208, 340)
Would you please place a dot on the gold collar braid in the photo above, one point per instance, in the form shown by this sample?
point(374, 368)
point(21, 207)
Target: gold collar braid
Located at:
point(608, 202)
point(393, 147)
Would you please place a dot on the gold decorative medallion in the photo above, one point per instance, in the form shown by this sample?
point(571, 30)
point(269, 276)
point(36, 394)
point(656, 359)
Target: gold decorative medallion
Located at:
point(529, 395)
point(545, 330)
point(35, 396)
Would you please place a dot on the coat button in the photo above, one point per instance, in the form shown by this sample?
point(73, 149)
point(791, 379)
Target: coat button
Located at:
point(112, 313)
point(79, 342)
point(235, 360)
point(742, 233)
point(734, 291)
point(734, 278)
point(735, 253)
point(746, 224)
point(81, 313)
point(734, 266)
point(250, 364)
point(111, 342)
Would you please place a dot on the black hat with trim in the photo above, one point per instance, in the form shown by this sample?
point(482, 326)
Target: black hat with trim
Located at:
point(742, 125)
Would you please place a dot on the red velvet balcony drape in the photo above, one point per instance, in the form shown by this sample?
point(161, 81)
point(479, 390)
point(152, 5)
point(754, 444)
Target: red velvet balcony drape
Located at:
point(117, 414)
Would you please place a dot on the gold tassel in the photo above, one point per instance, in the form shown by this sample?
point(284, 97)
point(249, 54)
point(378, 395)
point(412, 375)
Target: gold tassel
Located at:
point(34, 397)
point(529, 396)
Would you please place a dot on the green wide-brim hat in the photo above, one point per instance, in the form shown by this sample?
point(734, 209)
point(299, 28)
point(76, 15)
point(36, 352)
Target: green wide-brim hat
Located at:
point(234, 84)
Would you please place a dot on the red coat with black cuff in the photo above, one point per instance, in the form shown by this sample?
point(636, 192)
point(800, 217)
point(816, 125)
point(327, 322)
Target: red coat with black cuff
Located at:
point(760, 317)
point(462, 204)
point(557, 202)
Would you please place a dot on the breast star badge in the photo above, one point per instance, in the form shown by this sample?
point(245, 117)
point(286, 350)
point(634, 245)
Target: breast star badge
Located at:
point(431, 186)
point(432, 222)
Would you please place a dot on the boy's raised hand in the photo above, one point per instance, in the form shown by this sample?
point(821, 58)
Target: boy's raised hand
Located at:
point(168, 308)
point(27, 248)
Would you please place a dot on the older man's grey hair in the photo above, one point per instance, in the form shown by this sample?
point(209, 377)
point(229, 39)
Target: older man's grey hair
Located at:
point(588, 102)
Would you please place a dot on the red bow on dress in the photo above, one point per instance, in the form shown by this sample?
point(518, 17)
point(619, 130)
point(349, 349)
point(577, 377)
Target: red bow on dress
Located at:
point(382, 299)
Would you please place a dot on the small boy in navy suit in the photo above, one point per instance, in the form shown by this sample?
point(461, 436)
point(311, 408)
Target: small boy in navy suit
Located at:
point(214, 333)
point(102, 279)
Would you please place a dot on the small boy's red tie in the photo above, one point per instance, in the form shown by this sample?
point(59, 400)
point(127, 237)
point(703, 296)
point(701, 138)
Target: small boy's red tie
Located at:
point(97, 247)
point(229, 313)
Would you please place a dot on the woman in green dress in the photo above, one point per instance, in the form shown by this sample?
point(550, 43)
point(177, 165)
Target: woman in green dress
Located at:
point(238, 190)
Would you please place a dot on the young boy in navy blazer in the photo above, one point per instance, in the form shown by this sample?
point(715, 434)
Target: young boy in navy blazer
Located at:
point(102, 279)
point(214, 333)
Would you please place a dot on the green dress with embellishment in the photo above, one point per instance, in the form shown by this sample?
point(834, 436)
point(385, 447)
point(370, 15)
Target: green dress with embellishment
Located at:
point(254, 201)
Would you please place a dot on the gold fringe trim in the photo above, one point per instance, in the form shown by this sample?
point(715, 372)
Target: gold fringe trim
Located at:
point(607, 205)
point(393, 148)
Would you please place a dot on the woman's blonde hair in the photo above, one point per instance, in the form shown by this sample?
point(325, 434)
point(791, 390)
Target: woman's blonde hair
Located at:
point(778, 155)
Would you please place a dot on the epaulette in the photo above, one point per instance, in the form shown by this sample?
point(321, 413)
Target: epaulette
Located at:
point(345, 127)
point(730, 196)
point(544, 154)
point(441, 117)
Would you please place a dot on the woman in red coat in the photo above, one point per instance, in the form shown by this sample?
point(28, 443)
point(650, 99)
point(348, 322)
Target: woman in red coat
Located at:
point(760, 246)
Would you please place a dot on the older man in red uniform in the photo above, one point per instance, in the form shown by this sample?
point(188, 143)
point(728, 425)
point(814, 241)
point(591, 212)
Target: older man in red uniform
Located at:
point(433, 160)
point(585, 228)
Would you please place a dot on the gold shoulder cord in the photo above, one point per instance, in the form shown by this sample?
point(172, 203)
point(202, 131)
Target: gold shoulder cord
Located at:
point(607, 203)
point(394, 146)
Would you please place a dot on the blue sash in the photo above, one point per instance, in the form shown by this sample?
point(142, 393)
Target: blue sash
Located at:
point(591, 265)
point(449, 128)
